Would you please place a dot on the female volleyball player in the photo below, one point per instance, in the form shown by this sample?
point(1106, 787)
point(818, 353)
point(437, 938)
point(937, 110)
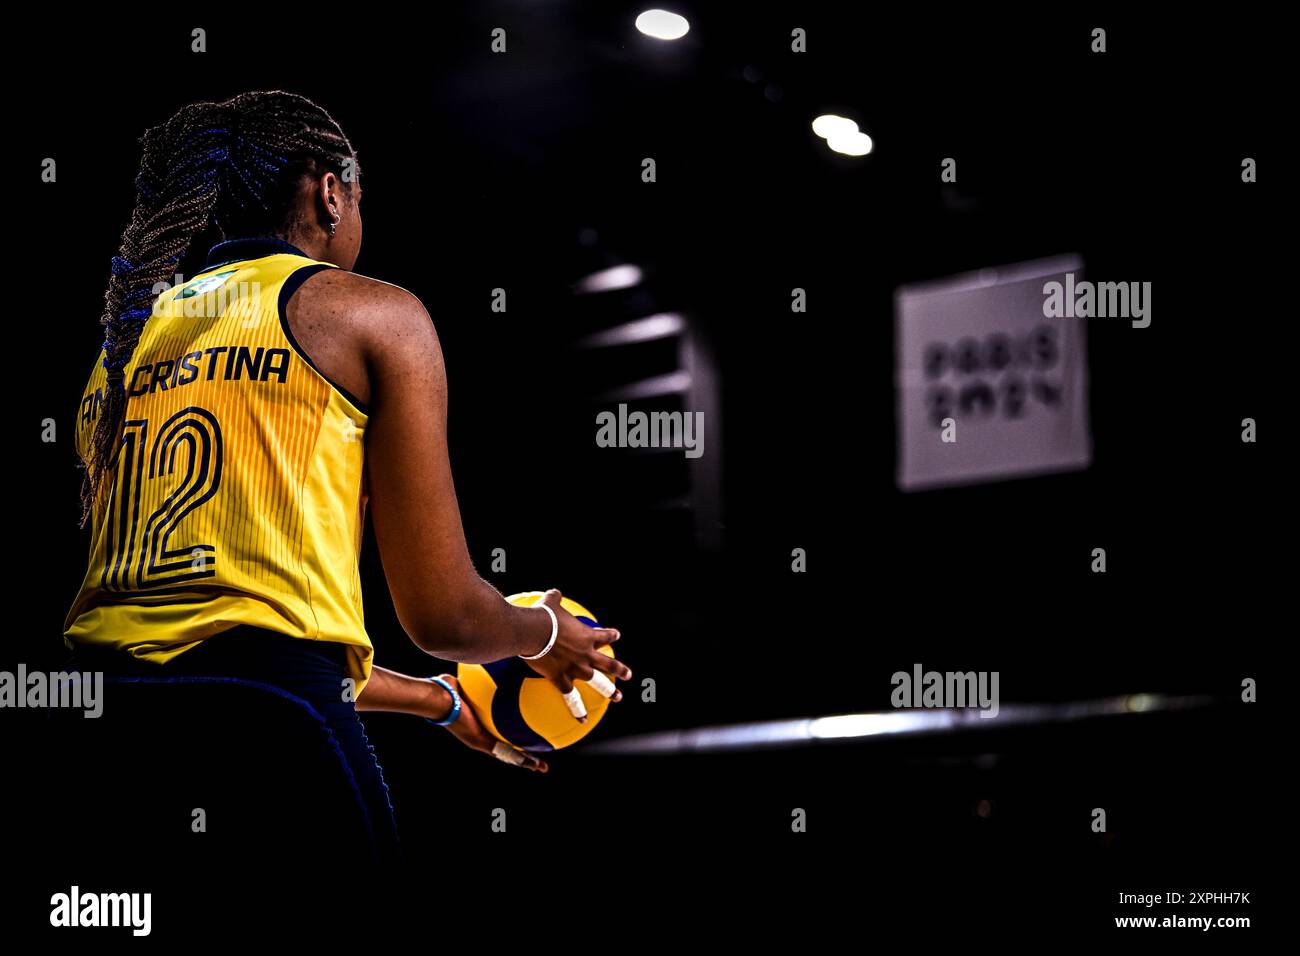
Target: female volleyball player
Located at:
point(236, 425)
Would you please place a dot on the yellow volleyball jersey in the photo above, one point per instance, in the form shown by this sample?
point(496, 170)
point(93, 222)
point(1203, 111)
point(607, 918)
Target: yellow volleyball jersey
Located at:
point(239, 494)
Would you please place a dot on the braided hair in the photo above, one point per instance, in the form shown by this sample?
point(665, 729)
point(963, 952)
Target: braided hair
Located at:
point(234, 168)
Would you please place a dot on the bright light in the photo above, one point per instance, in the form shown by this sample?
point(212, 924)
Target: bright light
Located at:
point(662, 25)
point(850, 142)
point(674, 383)
point(842, 134)
point(870, 725)
point(1136, 703)
point(606, 280)
point(828, 124)
point(652, 327)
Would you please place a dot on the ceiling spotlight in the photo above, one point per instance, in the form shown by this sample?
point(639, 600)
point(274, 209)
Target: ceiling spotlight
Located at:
point(660, 326)
point(850, 142)
point(662, 25)
point(607, 280)
point(828, 124)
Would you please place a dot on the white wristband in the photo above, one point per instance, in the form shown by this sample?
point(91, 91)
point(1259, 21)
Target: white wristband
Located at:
point(555, 632)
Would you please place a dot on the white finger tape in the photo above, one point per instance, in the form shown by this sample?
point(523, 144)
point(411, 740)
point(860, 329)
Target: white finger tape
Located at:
point(573, 700)
point(601, 684)
point(507, 753)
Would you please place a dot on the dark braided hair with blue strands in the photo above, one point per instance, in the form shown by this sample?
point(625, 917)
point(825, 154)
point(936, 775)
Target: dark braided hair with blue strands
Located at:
point(232, 169)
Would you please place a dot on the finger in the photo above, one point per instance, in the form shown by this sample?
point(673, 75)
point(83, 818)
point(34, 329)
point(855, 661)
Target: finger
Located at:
point(562, 683)
point(616, 669)
point(604, 635)
point(573, 701)
point(601, 684)
point(532, 763)
point(507, 754)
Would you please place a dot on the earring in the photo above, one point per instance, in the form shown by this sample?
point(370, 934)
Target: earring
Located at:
point(333, 224)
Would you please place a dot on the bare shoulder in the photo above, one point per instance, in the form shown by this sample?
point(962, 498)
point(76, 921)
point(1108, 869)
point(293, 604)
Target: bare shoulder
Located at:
point(356, 328)
point(352, 301)
point(374, 316)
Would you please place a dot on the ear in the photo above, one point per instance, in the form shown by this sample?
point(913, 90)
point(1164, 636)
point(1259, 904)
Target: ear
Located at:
point(331, 196)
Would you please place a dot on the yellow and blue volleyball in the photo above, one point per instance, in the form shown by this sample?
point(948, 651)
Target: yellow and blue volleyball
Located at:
point(520, 706)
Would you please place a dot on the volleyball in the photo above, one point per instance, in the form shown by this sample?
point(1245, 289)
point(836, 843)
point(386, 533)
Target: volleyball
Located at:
point(521, 707)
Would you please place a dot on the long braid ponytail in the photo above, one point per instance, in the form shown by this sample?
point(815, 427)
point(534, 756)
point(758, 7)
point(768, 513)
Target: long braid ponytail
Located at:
point(233, 167)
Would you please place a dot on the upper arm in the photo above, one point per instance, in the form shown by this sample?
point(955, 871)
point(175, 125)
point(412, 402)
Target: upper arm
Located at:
point(412, 496)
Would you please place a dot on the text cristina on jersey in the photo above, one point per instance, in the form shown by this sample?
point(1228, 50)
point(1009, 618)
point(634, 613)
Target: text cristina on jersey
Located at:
point(231, 363)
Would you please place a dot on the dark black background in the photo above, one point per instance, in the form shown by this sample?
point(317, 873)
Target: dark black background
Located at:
point(481, 171)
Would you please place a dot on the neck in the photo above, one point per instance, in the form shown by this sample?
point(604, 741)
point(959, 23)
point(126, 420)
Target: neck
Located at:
point(315, 245)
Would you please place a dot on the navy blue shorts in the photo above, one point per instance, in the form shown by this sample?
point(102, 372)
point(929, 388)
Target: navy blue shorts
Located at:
point(256, 724)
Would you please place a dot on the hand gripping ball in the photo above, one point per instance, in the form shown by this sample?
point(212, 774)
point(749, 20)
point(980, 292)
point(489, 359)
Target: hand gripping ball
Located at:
point(520, 706)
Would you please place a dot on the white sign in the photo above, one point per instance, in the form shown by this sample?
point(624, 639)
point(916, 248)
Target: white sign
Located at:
point(988, 386)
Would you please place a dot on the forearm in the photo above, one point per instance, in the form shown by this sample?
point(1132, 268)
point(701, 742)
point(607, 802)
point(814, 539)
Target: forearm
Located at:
point(493, 629)
point(403, 694)
point(474, 624)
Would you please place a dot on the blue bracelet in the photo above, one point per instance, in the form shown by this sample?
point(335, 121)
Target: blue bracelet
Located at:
point(455, 704)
